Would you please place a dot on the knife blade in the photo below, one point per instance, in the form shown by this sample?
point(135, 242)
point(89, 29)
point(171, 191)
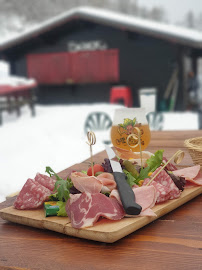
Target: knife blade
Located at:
point(126, 193)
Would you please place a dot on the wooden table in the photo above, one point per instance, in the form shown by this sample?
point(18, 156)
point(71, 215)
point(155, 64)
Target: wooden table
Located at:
point(174, 241)
point(15, 96)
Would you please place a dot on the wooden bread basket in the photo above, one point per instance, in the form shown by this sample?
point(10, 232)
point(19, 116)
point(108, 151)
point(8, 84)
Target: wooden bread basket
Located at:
point(194, 146)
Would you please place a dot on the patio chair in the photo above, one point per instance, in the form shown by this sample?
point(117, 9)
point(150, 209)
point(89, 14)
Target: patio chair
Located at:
point(155, 120)
point(99, 122)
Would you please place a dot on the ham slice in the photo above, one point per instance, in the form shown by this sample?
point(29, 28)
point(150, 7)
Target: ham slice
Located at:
point(189, 172)
point(45, 181)
point(85, 209)
point(107, 179)
point(85, 183)
point(144, 196)
point(193, 176)
point(197, 180)
point(164, 185)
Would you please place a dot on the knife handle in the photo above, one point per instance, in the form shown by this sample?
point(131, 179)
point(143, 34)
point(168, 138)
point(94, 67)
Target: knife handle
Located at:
point(127, 195)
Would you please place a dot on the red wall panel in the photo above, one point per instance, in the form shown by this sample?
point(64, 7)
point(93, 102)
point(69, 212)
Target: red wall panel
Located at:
point(75, 67)
point(50, 68)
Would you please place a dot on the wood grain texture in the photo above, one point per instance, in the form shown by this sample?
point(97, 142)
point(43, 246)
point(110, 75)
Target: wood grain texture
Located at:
point(104, 230)
point(170, 242)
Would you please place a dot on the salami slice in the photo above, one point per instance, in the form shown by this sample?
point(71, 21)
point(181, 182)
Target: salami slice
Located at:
point(32, 195)
point(165, 187)
point(45, 181)
point(169, 166)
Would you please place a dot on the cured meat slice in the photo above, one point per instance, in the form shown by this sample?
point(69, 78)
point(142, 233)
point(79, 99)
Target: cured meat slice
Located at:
point(32, 195)
point(189, 172)
point(127, 154)
point(85, 209)
point(85, 183)
point(165, 187)
point(107, 179)
point(133, 156)
point(169, 166)
point(162, 192)
point(144, 196)
point(193, 176)
point(45, 181)
point(197, 180)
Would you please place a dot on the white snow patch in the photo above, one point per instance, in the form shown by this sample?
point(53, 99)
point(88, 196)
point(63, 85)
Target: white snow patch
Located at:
point(55, 138)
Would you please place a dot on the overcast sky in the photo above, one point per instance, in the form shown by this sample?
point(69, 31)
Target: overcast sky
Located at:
point(175, 9)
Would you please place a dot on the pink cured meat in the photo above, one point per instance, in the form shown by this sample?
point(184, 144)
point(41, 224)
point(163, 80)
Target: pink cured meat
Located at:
point(107, 179)
point(144, 196)
point(165, 187)
point(193, 176)
point(32, 195)
point(197, 180)
point(45, 181)
point(85, 183)
point(85, 209)
point(161, 191)
point(189, 172)
point(169, 166)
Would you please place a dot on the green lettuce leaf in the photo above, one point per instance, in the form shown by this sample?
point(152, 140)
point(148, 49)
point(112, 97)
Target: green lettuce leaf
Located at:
point(143, 173)
point(62, 212)
point(155, 161)
point(130, 178)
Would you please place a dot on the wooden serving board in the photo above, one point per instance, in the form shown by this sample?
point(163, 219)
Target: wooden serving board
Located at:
point(104, 230)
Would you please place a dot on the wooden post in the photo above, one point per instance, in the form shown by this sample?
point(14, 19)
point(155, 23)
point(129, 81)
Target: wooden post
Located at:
point(194, 65)
point(182, 98)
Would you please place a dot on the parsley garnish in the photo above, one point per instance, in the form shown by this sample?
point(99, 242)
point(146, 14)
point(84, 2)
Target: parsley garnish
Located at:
point(61, 186)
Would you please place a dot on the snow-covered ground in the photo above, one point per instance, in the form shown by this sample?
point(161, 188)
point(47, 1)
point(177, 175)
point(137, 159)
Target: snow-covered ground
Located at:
point(55, 137)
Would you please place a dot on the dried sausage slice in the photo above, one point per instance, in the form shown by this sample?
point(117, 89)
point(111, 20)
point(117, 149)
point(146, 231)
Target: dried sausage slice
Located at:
point(45, 181)
point(165, 187)
point(32, 195)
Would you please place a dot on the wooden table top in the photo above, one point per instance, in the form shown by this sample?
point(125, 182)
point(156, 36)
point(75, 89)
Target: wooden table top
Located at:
point(174, 241)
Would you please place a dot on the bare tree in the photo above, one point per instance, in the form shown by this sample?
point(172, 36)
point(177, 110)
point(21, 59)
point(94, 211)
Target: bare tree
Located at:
point(157, 14)
point(190, 19)
point(143, 12)
point(198, 24)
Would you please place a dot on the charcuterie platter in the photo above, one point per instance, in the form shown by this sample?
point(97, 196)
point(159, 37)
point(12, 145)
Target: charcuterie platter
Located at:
point(111, 199)
point(104, 230)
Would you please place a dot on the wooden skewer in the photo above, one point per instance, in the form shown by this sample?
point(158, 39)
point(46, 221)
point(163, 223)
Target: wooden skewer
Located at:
point(178, 157)
point(137, 137)
point(139, 141)
point(91, 141)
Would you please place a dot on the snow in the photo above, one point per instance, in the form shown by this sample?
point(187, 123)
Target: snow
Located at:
point(55, 138)
point(16, 81)
point(116, 19)
point(4, 69)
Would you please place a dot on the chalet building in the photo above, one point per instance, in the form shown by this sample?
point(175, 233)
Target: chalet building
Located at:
point(78, 56)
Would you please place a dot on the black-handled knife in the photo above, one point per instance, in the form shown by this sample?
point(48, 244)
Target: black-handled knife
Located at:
point(126, 193)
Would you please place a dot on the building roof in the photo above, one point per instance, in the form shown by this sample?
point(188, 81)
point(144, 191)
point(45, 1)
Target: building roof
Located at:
point(171, 33)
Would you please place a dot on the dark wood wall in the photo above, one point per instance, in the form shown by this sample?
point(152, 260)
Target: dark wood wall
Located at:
point(144, 61)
